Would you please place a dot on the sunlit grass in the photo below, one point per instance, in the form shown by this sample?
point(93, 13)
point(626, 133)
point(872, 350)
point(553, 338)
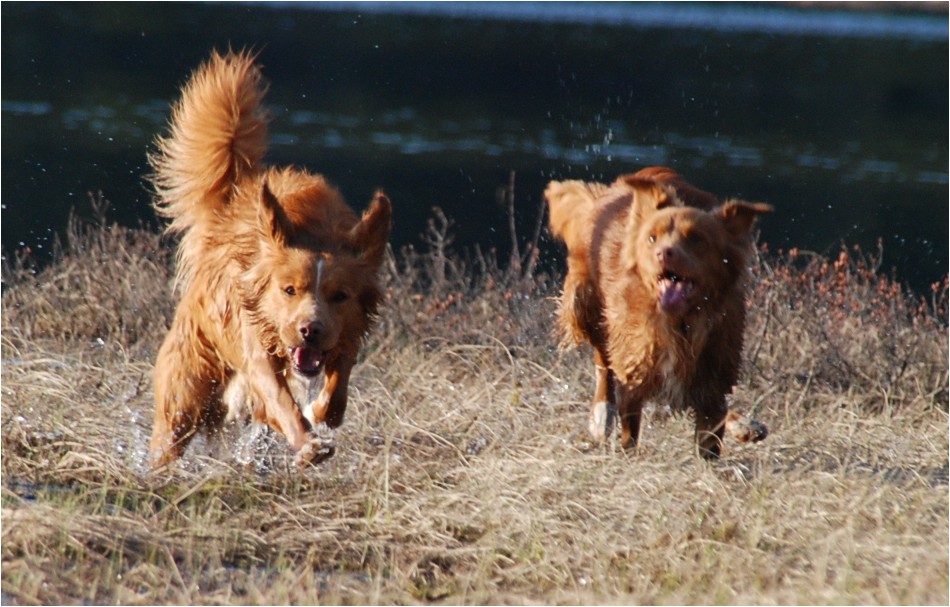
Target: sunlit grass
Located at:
point(463, 473)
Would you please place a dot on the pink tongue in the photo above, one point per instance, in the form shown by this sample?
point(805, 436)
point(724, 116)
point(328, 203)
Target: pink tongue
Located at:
point(307, 359)
point(673, 299)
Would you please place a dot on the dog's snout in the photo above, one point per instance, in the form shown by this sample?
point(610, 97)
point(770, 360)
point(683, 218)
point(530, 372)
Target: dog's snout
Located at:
point(312, 330)
point(664, 254)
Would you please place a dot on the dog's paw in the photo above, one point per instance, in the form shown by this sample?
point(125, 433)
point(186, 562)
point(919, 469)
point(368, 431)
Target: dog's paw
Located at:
point(314, 452)
point(745, 429)
point(603, 416)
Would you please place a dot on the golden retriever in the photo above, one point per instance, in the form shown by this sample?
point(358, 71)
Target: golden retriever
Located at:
point(277, 275)
point(656, 284)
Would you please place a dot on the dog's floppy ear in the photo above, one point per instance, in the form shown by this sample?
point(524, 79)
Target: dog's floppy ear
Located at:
point(650, 196)
point(271, 217)
point(369, 237)
point(738, 216)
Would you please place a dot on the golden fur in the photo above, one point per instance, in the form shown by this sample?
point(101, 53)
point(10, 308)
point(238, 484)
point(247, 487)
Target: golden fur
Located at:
point(277, 275)
point(656, 283)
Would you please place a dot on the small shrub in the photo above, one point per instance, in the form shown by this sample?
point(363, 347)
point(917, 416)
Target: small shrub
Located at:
point(104, 282)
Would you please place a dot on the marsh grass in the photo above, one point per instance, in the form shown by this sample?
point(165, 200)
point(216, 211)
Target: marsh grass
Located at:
point(463, 474)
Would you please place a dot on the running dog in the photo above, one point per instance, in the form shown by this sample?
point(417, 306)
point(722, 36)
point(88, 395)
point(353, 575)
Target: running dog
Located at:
point(656, 284)
point(277, 275)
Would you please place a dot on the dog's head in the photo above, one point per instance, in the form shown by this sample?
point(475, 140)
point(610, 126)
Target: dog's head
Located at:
point(686, 256)
point(686, 193)
point(315, 292)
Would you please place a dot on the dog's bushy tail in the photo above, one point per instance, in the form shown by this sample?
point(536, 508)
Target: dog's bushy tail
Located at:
point(217, 137)
point(570, 203)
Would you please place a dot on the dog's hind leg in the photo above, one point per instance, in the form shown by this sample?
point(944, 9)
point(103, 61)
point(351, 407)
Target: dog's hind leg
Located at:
point(182, 399)
point(745, 429)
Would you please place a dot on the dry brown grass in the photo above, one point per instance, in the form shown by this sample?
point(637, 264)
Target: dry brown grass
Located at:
point(463, 474)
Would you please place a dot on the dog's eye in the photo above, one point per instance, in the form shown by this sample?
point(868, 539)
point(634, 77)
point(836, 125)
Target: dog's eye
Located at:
point(339, 297)
point(651, 238)
point(290, 290)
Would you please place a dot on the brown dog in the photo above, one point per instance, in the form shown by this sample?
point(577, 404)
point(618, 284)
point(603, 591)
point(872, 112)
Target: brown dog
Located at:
point(655, 282)
point(278, 276)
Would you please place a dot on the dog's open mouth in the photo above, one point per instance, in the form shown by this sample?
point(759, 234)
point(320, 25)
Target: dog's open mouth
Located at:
point(675, 292)
point(307, 361)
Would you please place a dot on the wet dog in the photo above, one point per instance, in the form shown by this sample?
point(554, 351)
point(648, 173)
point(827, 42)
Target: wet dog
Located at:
point(656, 284)
point(277, 275)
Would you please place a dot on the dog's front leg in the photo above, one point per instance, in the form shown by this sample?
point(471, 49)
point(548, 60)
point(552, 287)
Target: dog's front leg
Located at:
point(710, 426)
point(281, 413)
point(629, 409)
point(706, 396)
point(330, 404)
point(603, 411)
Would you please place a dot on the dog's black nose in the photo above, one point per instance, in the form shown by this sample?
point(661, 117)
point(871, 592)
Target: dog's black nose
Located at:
point(311, 331)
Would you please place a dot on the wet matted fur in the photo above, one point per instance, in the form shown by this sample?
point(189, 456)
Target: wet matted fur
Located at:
point(656, 283)
point(277, 275)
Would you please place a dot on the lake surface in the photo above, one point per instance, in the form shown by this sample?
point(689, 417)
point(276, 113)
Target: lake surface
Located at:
point(838, 119)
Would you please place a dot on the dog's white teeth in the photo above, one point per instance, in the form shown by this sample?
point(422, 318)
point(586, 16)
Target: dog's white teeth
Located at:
point(669, 281)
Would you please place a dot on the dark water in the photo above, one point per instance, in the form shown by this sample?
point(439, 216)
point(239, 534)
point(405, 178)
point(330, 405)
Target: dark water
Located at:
point(840, 120)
